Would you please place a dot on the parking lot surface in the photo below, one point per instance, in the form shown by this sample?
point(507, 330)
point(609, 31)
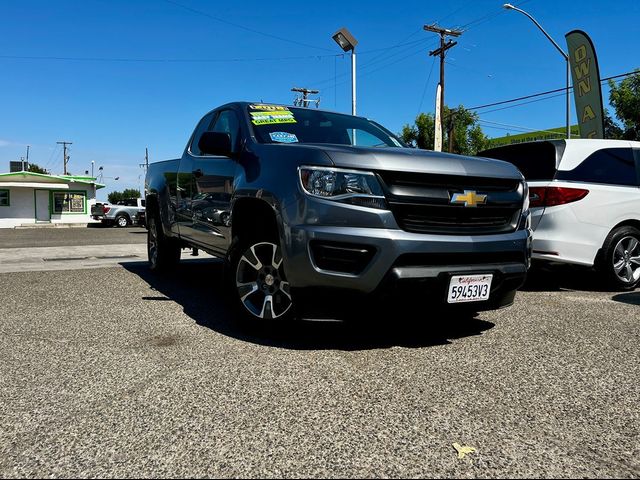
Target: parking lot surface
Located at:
point(115, 372)
point(94, 234)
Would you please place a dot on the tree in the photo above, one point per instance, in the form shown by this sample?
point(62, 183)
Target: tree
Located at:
point(35, 168)
point(625, 99)
point(115, 197)
point(611, 128)
point(459, 123)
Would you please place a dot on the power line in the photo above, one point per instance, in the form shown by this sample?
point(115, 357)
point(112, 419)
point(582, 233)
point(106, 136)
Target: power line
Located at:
point(377, 60)
point(382, 67)
point(51, 158)
point(244, 27)
point(197, 60)
point(163, 60)
point(548, 92)
point(492, 124)
point(426, 84)
point(464, 6)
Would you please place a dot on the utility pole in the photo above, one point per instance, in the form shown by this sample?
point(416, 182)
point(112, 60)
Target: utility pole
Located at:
point(65, 157)
point(28, 146)
point(145, 165)
point(304, 101)
point(444, 46)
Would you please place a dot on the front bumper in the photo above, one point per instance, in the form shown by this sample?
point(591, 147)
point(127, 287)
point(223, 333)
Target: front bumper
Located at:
point(403, 262)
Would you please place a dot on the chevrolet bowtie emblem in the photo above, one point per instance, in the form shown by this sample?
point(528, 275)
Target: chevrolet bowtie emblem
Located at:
point(470, 198)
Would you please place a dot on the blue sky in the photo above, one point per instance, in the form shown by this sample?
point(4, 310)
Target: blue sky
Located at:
point(116, 76)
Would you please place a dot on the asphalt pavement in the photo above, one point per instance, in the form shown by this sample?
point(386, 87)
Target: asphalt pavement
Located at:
point(93, 234)
point(115, 372)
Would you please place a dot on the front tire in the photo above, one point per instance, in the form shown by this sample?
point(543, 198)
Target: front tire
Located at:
point(256, 278)
point(163, 252)
point(620, 261)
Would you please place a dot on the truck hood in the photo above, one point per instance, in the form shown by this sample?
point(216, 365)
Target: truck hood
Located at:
point(413, 160)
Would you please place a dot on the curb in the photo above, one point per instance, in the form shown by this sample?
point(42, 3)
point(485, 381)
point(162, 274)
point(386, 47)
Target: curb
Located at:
point(54, 225)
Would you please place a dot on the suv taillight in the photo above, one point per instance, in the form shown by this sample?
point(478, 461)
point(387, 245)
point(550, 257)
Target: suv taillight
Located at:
point(105, 209)
point(551, 196)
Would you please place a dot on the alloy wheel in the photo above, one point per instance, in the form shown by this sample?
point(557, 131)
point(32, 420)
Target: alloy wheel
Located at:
point(626, 259)
point(260, 281)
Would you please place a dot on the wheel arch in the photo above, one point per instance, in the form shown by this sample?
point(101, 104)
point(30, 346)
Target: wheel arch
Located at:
point(252, 215)
point(625, 223)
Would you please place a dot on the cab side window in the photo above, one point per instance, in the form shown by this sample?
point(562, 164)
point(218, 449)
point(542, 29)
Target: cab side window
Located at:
point(227, 122)
point(202, 127)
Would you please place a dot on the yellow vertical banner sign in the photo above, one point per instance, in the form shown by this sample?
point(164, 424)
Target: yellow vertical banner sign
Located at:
point(586, 84)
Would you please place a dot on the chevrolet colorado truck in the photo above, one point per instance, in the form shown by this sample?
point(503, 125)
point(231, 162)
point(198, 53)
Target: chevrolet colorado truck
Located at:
point(307, 205)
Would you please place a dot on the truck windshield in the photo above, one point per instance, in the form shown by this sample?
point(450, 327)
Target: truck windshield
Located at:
point(281, 124)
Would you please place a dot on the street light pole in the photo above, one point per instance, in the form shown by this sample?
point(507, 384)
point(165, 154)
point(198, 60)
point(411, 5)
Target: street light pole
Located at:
point(353, 81)
point(508, 6)
point(347, 43)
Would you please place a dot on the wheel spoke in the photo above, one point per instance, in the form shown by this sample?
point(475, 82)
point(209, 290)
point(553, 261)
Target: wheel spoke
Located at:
point(619, 266)
point(620, 250)
point(284, 288)
point(246, 289)
point(252, 259)
point(276, 259)
point(629, 273)
point(635, 260)
point(633, 245)
point(267, 307)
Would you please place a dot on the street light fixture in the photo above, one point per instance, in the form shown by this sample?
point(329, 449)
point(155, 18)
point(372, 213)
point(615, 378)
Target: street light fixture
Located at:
point(508, 6)
point(347, 43)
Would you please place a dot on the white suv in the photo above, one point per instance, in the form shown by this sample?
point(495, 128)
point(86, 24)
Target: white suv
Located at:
point(585, 203)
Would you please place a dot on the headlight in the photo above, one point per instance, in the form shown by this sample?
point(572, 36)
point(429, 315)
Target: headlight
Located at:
point(347, 186)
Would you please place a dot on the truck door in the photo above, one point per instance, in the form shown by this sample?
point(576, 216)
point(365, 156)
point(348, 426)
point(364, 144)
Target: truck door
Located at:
point(185, 187)
point(212, 188)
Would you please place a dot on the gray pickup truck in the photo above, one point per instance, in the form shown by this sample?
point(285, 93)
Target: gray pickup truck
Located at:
point(122, 214)
point(307, 206)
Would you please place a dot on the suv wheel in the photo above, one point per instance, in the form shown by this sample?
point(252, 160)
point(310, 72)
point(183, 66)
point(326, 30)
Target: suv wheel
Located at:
point(257, 278)
point(122, 221)
point(163, 252)
point(620, 262)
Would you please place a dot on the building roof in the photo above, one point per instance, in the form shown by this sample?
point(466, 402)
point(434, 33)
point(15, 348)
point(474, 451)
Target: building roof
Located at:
point(41, 180)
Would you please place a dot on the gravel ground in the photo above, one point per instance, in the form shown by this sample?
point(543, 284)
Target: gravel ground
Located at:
point(117, 373)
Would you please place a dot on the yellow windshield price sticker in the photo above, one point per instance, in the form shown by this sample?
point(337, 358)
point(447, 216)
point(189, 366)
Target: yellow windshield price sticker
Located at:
point(269, 108)
point(272, 117)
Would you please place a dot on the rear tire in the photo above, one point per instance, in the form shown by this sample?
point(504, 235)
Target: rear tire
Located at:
point(255, 277)
point(122, 221)
point(163, 252)
point(619, 264)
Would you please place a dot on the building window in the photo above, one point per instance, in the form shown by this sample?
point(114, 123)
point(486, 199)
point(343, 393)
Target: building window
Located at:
point(64, 202)
point(4, 198)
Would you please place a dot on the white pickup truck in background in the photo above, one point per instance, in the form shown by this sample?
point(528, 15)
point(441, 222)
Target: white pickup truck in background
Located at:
point(124, 213)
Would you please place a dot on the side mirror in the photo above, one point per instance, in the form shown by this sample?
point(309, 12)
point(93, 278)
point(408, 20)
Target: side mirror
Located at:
point(215, 143)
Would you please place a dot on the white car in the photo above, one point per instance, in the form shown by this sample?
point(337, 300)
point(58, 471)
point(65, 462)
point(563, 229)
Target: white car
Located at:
point(585, 203)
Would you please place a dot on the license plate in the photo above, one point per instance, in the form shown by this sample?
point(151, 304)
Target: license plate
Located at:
point(469, 288)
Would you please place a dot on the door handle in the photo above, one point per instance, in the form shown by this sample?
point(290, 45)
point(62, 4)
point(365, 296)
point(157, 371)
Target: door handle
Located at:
point(197, 173)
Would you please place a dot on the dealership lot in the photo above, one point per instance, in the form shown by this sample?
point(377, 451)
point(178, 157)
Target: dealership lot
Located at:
point(116, 372)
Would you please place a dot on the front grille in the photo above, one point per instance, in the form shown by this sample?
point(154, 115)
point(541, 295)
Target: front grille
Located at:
point(421, 203)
